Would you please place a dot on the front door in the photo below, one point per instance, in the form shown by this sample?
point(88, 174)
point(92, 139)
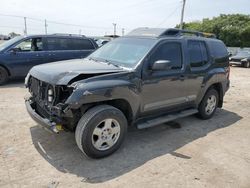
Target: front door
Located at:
point(25, 55)
point(164, 89)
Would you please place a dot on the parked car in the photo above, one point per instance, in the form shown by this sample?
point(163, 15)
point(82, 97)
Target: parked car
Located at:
point(246, 62)
point(100, 41)
point(4, 37)
point(240, 55)
point(146, 78)
point(20, 54)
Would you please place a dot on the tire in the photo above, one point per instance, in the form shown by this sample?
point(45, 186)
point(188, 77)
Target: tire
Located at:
point(246, 64)
point(92, 135)
point(3, 76)
point(208, 106)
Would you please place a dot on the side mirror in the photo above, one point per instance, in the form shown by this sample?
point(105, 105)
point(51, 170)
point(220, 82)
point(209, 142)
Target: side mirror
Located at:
point(162, 65)
point(229, 54)
point(15, 50)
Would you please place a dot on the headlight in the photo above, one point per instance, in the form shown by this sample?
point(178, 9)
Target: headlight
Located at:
point(244, 59)
point(50, 95)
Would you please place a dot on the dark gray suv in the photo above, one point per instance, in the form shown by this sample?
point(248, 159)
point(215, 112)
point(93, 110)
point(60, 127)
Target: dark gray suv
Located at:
point(146, 78)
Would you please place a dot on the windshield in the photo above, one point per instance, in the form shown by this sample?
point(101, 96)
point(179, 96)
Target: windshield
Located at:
point(124, 52)
point(9, 42)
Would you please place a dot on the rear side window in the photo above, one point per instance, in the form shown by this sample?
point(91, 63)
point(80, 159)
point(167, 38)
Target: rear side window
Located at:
point(82, 44)
point(198, 53)
point(69, 44)
point(169, 51)
point(218, 49)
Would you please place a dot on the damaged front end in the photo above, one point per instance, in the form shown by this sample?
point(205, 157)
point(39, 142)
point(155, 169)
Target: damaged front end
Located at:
point(46, 105)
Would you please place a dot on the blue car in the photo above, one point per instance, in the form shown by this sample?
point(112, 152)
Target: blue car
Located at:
point(20, 54)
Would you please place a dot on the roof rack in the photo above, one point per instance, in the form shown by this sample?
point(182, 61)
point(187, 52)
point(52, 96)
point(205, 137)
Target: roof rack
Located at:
point(161, 32)
point(180, 32)
point(67, 34)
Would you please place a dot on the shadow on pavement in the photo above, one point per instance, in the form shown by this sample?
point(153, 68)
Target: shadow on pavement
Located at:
point(140, 146)
point(14, 83)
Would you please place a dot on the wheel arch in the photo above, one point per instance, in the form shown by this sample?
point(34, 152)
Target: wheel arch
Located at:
point(121, 104)
point(218, 87)
point(8, 71)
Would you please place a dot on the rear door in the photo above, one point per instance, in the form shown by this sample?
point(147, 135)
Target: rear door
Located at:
point(64, 48)
point(199, 65)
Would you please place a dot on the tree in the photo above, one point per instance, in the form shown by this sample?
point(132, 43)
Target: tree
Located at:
point(233, 29)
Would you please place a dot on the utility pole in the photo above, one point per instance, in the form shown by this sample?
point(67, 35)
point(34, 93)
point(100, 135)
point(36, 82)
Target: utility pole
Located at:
point(114, 24)
point(45, 25)
point(25, 26)
point(123, 31)
point(182, 14)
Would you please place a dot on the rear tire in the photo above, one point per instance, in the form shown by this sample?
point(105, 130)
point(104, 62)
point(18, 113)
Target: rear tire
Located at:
point(208, 104)
point(101, 131)
point(3, 76)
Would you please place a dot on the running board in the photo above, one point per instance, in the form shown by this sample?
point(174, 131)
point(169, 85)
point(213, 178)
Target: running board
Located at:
point(167, 118)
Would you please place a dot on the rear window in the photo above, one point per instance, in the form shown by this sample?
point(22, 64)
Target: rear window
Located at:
point(218, 49)
point(69, 44)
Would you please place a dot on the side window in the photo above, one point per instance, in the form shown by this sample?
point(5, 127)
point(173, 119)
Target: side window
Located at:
point(68, 44)
point(34, 44)
point(82, 44)
point(170, 51)
point(52, 43)
point(198, 53)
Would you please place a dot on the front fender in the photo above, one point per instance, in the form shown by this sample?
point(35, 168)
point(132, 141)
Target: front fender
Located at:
point(104, 90)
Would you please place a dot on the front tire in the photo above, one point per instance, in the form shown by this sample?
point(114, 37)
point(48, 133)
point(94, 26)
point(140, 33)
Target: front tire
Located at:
point(208, 104)
point(101, 131)
point(3, 75)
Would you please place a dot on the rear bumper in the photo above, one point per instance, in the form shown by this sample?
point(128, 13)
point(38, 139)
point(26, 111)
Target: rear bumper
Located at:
point(235, 63)
point(44, 122)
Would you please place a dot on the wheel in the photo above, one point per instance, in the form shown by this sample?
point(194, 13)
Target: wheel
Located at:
point(3, 75)
point(101, 131)
point(208, 104)
point(246, 64)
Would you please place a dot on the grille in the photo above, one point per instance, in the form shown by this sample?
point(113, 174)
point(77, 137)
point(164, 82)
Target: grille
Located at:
point(39, 90)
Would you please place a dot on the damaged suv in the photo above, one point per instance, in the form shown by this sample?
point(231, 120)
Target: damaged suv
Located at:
point(146, 78)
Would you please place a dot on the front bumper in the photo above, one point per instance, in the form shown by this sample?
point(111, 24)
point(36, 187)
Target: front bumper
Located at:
point(44, 122)
point(235, 63)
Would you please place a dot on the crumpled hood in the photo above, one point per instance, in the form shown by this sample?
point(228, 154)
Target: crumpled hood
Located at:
point(61, 72)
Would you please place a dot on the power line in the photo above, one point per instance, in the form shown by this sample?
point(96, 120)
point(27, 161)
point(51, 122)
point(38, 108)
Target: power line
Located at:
point(54, 22)
point(169, 16)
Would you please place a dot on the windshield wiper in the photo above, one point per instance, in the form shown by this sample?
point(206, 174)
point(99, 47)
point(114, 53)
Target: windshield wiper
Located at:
point(91, 58)
point(110, 63)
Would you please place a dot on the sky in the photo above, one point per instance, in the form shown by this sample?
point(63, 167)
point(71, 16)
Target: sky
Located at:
point(96, 17)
